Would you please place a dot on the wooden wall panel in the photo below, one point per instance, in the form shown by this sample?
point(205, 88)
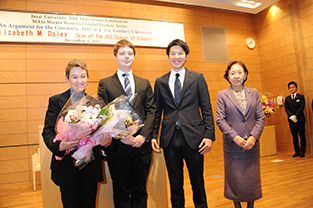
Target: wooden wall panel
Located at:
point(12, 115)
point(285, 39)
point(33, 138)
point(12, 102)
point(13, 89)
point(13, 153)
point(14, 166)
point(16, 177)
point(36, 113)
point(12, 77)
point(13, 139)
point(13, 127)
point(47, 88)
point(8, 65)
point(13, 4)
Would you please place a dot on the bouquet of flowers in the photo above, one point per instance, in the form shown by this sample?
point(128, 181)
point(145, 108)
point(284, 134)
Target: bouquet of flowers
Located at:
point(128, 120)
point(86, 120)
point(268, 104)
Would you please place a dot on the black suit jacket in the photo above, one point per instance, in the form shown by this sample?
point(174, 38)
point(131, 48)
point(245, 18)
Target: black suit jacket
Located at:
point(110, 88)
point(295, 107)
point(63, 172)
point(195, 124)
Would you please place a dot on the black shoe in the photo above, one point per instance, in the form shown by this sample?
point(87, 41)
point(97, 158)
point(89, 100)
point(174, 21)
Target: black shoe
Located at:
point(296, 155)
point(302, 155)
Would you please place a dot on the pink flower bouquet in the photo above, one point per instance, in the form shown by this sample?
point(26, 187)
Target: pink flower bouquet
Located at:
point(86, 121)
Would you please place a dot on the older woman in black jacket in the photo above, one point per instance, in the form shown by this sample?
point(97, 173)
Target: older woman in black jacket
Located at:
point(78, 186)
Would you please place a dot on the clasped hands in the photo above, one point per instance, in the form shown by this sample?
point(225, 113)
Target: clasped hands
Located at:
point(134, 141)
point(293, 118)
point(245, 144)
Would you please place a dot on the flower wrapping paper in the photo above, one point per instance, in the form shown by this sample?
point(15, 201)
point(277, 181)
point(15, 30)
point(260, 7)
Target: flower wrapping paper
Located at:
point(86, 120)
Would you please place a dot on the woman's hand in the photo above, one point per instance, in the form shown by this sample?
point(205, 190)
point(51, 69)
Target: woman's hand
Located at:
point(65, 145)
point(250, 143)
point(240, 141)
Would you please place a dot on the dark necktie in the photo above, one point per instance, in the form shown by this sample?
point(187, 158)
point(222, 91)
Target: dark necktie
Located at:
point(177, 94)
point(293, 97)
point(177, 89)
point(127, 86)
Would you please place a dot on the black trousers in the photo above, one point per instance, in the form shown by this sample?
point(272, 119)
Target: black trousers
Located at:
point(174, 154)
point(83, 193)
point(298, 129)
point(129, 174)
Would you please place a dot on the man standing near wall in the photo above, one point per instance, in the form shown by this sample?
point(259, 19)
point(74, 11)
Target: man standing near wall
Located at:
point(187, 133)
point(294, 106)
point(129, 158)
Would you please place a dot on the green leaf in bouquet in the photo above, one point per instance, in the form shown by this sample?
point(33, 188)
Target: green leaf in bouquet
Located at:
point(104, 111)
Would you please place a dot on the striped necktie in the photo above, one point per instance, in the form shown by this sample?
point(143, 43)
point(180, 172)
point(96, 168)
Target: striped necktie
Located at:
point(127, 86)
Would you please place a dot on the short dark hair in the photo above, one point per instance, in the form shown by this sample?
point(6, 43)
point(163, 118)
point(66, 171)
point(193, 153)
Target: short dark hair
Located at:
point(123, 43)
point(75, 63)
point(180, 43)
point(292, 83)
point(230, 64)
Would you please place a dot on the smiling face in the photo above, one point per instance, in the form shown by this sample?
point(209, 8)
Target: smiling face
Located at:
point(125, 58)
point(78, 79)
point(177, 57)
point(236, 76)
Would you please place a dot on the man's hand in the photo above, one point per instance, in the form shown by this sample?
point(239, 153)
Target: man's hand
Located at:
point(293, 118)
point(130, 140)
point(205, 146)
point(155, 146)
point(139, 140)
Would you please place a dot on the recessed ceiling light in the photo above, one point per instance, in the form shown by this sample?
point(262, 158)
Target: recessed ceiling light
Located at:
point(249, 4)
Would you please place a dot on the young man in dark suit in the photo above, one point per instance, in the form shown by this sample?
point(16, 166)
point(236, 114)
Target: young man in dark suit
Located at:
point(294, 106)
point(129, 158)
point(186, 133)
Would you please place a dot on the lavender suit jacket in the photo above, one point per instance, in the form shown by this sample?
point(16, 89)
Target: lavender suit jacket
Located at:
point(231, 120)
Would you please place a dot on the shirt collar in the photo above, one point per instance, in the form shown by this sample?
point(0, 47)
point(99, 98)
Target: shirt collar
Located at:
point(120, 73)
point(181, 73)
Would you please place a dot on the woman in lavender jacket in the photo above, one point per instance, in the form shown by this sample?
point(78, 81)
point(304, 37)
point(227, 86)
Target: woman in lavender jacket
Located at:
point(239, 115)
